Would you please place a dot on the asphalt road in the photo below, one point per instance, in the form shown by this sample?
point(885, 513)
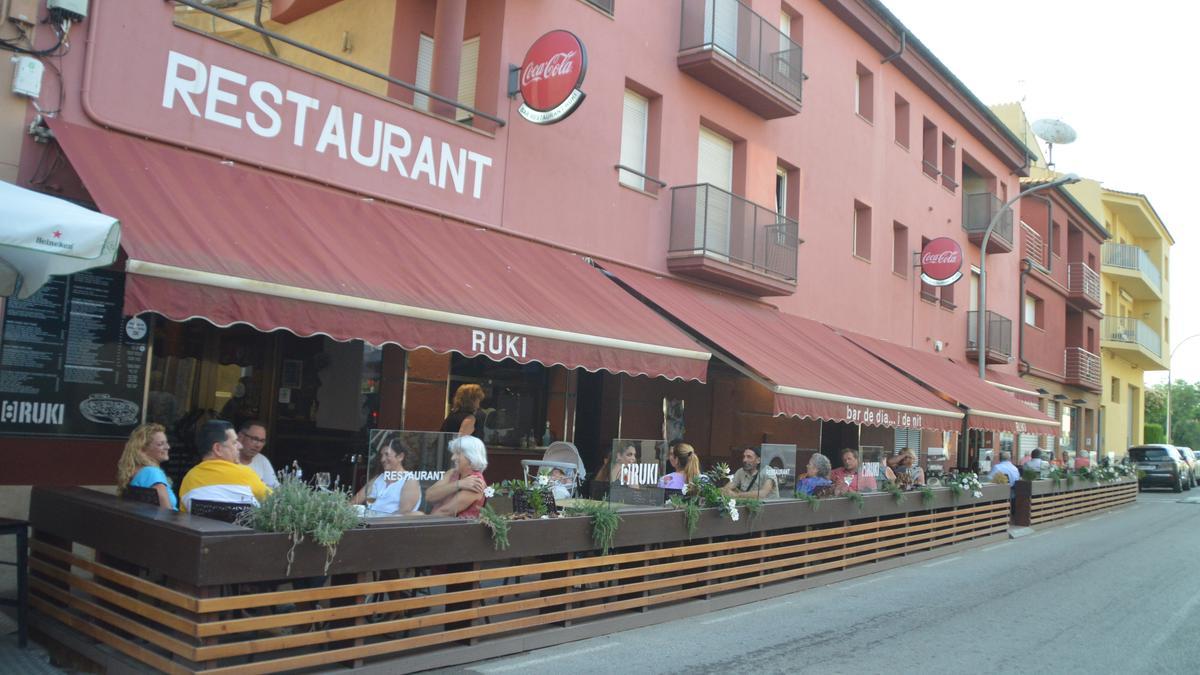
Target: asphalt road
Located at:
point(1111, 593)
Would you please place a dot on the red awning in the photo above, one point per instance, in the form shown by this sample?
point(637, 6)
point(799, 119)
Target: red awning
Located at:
point(988, 407)
point(1009, 383)
point(811, 370)
point(234, 244)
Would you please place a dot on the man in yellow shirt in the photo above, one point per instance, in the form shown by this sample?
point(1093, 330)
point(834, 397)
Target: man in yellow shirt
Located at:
point(219, 477)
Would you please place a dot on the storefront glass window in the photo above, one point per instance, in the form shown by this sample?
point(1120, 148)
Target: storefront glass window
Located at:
point(515, 403)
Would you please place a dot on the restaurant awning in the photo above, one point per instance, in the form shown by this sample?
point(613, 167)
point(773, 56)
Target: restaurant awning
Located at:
point(43, 236)
point(812, 371)
point(234, 244)
point(988, 407)
point(1010, 383)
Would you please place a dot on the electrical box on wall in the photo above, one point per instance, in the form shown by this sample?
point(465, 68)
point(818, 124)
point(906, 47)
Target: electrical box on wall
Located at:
point(27, 78)
point(23, 11)
point(72, 9)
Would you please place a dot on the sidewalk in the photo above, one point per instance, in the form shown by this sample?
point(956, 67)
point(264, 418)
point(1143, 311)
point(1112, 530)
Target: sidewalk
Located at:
point(29, 661)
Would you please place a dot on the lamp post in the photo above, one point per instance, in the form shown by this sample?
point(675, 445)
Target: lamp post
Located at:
point(1169, 358)
point(981, 335)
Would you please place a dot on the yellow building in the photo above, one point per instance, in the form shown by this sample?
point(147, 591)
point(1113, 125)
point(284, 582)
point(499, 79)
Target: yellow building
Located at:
point(1135, 279)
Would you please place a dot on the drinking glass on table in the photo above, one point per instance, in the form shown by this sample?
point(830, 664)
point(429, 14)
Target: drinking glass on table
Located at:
point(371, 497)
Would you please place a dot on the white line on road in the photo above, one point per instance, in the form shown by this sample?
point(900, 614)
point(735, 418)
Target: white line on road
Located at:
point(943, 561)
point(1093, 518)
point(996, 546)
point(529, 662)
point(1068, 526)
point(872, 580)
point(735, 615)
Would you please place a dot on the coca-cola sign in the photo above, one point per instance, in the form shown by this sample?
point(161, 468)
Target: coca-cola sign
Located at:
point(941, 262)
point(551, 75)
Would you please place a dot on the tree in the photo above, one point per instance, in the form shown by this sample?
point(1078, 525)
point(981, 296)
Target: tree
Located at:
point(1185, 411)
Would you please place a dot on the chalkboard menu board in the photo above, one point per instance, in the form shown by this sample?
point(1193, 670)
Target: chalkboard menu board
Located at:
point(70, 363)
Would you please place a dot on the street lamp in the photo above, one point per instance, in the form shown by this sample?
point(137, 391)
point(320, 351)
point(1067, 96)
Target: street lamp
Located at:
point(1169, 358)
point(981, 335)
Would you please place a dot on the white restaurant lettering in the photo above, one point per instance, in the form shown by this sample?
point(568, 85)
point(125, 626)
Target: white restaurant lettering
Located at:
point(213, 93)
point(498, 344)
point(882, 418)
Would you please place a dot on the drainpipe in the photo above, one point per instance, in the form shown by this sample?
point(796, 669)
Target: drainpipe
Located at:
point(1022, 365)
point(258, 8)
point(903, 43)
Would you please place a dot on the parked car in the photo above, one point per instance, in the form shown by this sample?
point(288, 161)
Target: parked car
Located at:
point(1160, 465)
point(1193, 461)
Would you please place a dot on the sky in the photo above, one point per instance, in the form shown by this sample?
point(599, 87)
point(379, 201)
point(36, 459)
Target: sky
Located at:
point(1118, 73)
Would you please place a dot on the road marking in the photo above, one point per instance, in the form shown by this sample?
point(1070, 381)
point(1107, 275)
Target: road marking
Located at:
point(1039, 534)
point(1069, 526)
point(735, 615)
point(996, 546)
point(1092, 518)
point(872, 580)
point(529, 662)
point(1176, 619)
point(943, 561)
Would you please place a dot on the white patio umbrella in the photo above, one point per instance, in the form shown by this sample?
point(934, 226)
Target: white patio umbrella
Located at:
point(43, 236)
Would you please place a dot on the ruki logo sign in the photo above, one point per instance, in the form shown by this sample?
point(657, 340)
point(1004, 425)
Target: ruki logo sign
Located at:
point(551, 75)
point(941, 262)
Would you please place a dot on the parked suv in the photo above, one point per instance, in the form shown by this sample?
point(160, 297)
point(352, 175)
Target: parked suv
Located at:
point(1160, 464)
point(1193, 462)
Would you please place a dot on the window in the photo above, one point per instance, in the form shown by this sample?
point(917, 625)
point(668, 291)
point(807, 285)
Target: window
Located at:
point(900, 261)
point(901, 121)
point(864, 93)
point(468, 69)
point(948, 163)
point(946, 293)
point(1115, 387)
point(929, 148)
point(1034, 311)
point(973, 301)
point(605, 6)
point(781, 191)
point(927, 292)
point(862, 231)
point(635, 116)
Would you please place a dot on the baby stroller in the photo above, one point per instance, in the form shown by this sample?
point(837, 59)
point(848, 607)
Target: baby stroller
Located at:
point(563, 456)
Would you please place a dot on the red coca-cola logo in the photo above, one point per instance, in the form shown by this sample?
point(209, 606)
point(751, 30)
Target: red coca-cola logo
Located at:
point(941, 262)
point(550, 77)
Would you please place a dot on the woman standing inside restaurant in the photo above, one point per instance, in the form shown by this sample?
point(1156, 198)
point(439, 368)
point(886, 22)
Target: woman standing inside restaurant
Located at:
point(394, 490)
point(686, 464)
point(461, 491)
point(465, 418)
point(140, 464)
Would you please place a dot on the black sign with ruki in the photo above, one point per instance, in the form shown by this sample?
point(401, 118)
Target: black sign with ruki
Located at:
point(70, 363)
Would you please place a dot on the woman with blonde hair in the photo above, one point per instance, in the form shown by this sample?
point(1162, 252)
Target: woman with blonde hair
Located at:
point(908, 472)
point(683, 459)
point(140, 464)
point(465, 418)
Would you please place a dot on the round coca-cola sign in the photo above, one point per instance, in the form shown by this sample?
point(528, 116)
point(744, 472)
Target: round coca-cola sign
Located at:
point(941, 262)
point(551, 76)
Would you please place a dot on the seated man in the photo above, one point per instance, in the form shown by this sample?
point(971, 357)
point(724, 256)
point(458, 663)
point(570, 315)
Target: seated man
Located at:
point(1036, 462)
point(1005, 467)
point(752, 481)
point(219, 477)
point(851, 477)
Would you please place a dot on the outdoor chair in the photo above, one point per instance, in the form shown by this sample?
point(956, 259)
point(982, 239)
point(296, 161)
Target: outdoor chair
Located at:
point(224, 511)
point(143, 495)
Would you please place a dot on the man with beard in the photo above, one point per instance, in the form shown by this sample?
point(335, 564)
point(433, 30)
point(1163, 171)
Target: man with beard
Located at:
point(753, 481)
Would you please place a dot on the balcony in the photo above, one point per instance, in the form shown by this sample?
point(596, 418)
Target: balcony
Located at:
point(720, 237)
point(1134, 341)
point(1082, 368)
point(978, 210)
point(725, 45)
point(999, 337)
point(1033, 247)
point(1137, 273)
point(1083, 286)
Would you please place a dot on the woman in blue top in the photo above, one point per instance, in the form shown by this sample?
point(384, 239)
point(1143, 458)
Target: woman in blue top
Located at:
point(146, 449)
point(817, 476)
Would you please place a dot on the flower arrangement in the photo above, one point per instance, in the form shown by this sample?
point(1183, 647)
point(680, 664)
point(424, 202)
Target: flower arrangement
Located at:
point(535, 497)
point(705, 492)
point(498, 525)
point(1106, 474)
point(303, 513)
point(1058, 474)
point(963, 482)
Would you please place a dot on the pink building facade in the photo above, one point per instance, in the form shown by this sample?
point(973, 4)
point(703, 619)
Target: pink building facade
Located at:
point(797, 154)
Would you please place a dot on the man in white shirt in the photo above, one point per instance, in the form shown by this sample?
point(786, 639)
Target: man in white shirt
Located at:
point(253, 436)
point(1005, 466)
point(1036, 462)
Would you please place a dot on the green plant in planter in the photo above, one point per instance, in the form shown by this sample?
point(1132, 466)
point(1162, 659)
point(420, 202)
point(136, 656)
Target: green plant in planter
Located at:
point(927, 495)
point(302, 513)
point(691, 513)
point(1030, 475)
point(855, 497)
point(536, 497)
point(753, 506)
point(892, 489)
point(703, 492)
point(813, 501)
point(604, 522)
point(498, 524)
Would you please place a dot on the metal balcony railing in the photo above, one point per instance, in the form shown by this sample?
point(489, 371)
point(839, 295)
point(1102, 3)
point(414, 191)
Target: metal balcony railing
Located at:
point(999, 332)
point(740, 33)
point(978, 210)
point(1082, 366)
point(1130, 257)
point(710, 221)
point(1033, 246)
point(1083, 281)
point(1133, 331)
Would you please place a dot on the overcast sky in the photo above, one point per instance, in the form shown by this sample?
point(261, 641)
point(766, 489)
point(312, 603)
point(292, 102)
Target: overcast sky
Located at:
point(1115, 71)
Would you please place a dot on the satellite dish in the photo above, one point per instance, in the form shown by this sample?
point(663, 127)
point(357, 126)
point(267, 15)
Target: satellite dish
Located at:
point(1053, 131)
